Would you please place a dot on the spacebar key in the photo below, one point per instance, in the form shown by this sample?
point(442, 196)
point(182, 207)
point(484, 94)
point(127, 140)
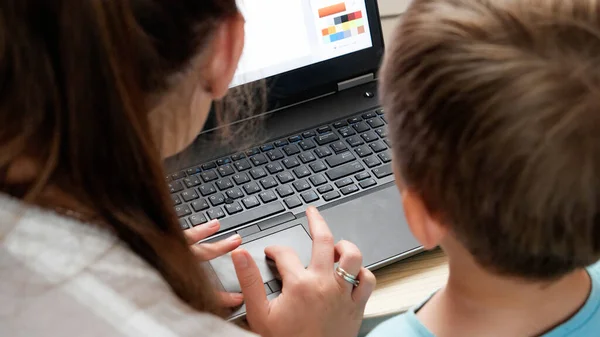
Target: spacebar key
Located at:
point(251, 215)
point(344, 170)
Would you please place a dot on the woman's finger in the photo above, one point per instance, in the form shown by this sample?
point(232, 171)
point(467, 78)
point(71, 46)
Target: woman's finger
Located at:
point(287, 261)
point(364, 290)
point(231, 300)
point(322, 250)
point(350, 260)
point(201, 232)
point(209, 251)
point(248, 274)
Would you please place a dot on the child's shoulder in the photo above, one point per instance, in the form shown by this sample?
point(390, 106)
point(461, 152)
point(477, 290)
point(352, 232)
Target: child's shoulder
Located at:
point(405, 325)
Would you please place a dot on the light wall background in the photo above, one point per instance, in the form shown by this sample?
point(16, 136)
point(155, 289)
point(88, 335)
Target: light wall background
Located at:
point(389, 10)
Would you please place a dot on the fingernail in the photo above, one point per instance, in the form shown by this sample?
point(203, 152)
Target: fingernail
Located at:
point(240, 259)
point(235, 238)
point(312, 209)
point(238, 296)
point(213, 223)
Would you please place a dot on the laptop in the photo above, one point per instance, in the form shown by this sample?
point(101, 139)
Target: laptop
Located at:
point(326, 145)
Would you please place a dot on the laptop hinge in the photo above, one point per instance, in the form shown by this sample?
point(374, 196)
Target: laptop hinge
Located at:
point(355, 82)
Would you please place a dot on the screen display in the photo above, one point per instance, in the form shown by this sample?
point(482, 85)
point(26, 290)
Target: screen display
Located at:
point(283, 35)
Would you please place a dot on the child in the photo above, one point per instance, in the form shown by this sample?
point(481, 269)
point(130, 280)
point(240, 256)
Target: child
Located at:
point(494, 114)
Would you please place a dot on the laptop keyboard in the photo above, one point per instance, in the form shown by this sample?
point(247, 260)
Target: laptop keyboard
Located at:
point(324, 163)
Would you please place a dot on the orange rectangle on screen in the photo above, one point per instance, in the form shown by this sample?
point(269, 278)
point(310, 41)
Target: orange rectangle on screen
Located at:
point(357, 15)
point(334, 9)
point(325, 31)
point(361, 30)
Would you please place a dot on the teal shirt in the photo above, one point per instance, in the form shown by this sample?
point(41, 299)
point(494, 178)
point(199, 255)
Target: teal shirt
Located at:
point(585, 323)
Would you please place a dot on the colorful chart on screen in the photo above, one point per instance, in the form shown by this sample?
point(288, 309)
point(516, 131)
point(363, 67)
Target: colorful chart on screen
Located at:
point(283, 35)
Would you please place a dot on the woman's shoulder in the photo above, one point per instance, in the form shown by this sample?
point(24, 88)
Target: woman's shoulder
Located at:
point(74, 278)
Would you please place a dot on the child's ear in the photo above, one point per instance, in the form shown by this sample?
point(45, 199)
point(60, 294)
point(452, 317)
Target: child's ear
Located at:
point(426, 229)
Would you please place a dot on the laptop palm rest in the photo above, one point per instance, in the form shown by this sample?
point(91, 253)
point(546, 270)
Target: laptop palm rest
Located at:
point(294, 237)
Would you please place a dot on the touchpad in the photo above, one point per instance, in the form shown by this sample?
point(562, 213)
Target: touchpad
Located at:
point(295, 237)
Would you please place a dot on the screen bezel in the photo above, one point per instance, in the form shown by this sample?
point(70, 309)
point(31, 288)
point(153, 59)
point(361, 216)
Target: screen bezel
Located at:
point(321, 78)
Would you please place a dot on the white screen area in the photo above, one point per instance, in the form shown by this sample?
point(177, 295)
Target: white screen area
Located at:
point(283, 35)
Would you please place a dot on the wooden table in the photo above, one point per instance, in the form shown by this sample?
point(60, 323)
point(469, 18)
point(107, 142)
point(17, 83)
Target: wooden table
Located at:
point(407, 283)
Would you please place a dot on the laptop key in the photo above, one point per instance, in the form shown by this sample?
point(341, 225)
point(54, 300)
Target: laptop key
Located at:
point(338, 125)
point(318, 166)
point(250, 201)
point(378, 146)
point(380, 112)
point(375, 122)
point(324, 129)
point(209, 166)
point(176, 200)
point(233, 208)
point(339, 147)
point(340, 159)
point(215, 213)
point(241, 178)
point(267, 196)
point(183, 224)
point(291, 150)
point(223, 161)
point(285, 191)
point(209, 176)
point(344, 182)
point(301, 171)
point(251, 188)
point(362, 176)
point(331, 195)
point(281, 143)
point(323, 152)
point(326, 138)
point(252, 152)
point(226, 170)
point(383, 171)
point(344, 171)
point(285, 177)
point(310, 196)
point(194, 170)
point(347, 132)
point(363, 151)
point(318, 180)
point(368, 183)
point(369, 136)
point(235, 193)
point(197, 219)
point(259, 159)
point(258, 173)
point(308, 134)
point(274, 168)
point(307, 144)
point(207, 189)
point(293, 202)
point(268, 182)
point(178, 175)
point(388, 143)
point(224, 184)
point(354, 120)
point(192, 181)
point(307, 157)
point(385, 157)
point(301, 185)
point(267, 147)
point(175, 187)
point(275, 155)
point(252, 215)
point(361, 127)
point(189, 195)
point(372, 161)
point(238, 156)
point(349, 189)
point(217, 199)
point(183, 210)
point(243, 165)
point(290, 163)
point(355, 141)
point(295, 139)
point(325, 189)
point(200, 205)
point(382, 132)
point(369, 115)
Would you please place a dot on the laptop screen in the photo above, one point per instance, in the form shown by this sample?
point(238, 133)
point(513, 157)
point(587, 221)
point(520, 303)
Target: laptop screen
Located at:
point(283, 35)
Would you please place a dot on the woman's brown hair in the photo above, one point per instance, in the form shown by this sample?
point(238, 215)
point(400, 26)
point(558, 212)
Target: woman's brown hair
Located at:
point(74, 79)
point(495, 122)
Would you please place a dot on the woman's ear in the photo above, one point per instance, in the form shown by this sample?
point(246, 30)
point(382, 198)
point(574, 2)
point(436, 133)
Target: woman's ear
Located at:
point(426, 229)
point(227, 47)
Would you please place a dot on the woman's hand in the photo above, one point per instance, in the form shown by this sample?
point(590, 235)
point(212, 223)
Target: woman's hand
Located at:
point(314, 302)
point(208, 251)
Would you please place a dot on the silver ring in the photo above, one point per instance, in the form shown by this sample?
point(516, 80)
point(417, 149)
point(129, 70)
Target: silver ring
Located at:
point(347, 276)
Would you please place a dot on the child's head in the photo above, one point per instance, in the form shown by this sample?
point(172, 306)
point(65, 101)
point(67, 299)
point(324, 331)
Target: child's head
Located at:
point(494, 111)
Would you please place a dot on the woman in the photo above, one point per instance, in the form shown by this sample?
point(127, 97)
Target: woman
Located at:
point(93, 95)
